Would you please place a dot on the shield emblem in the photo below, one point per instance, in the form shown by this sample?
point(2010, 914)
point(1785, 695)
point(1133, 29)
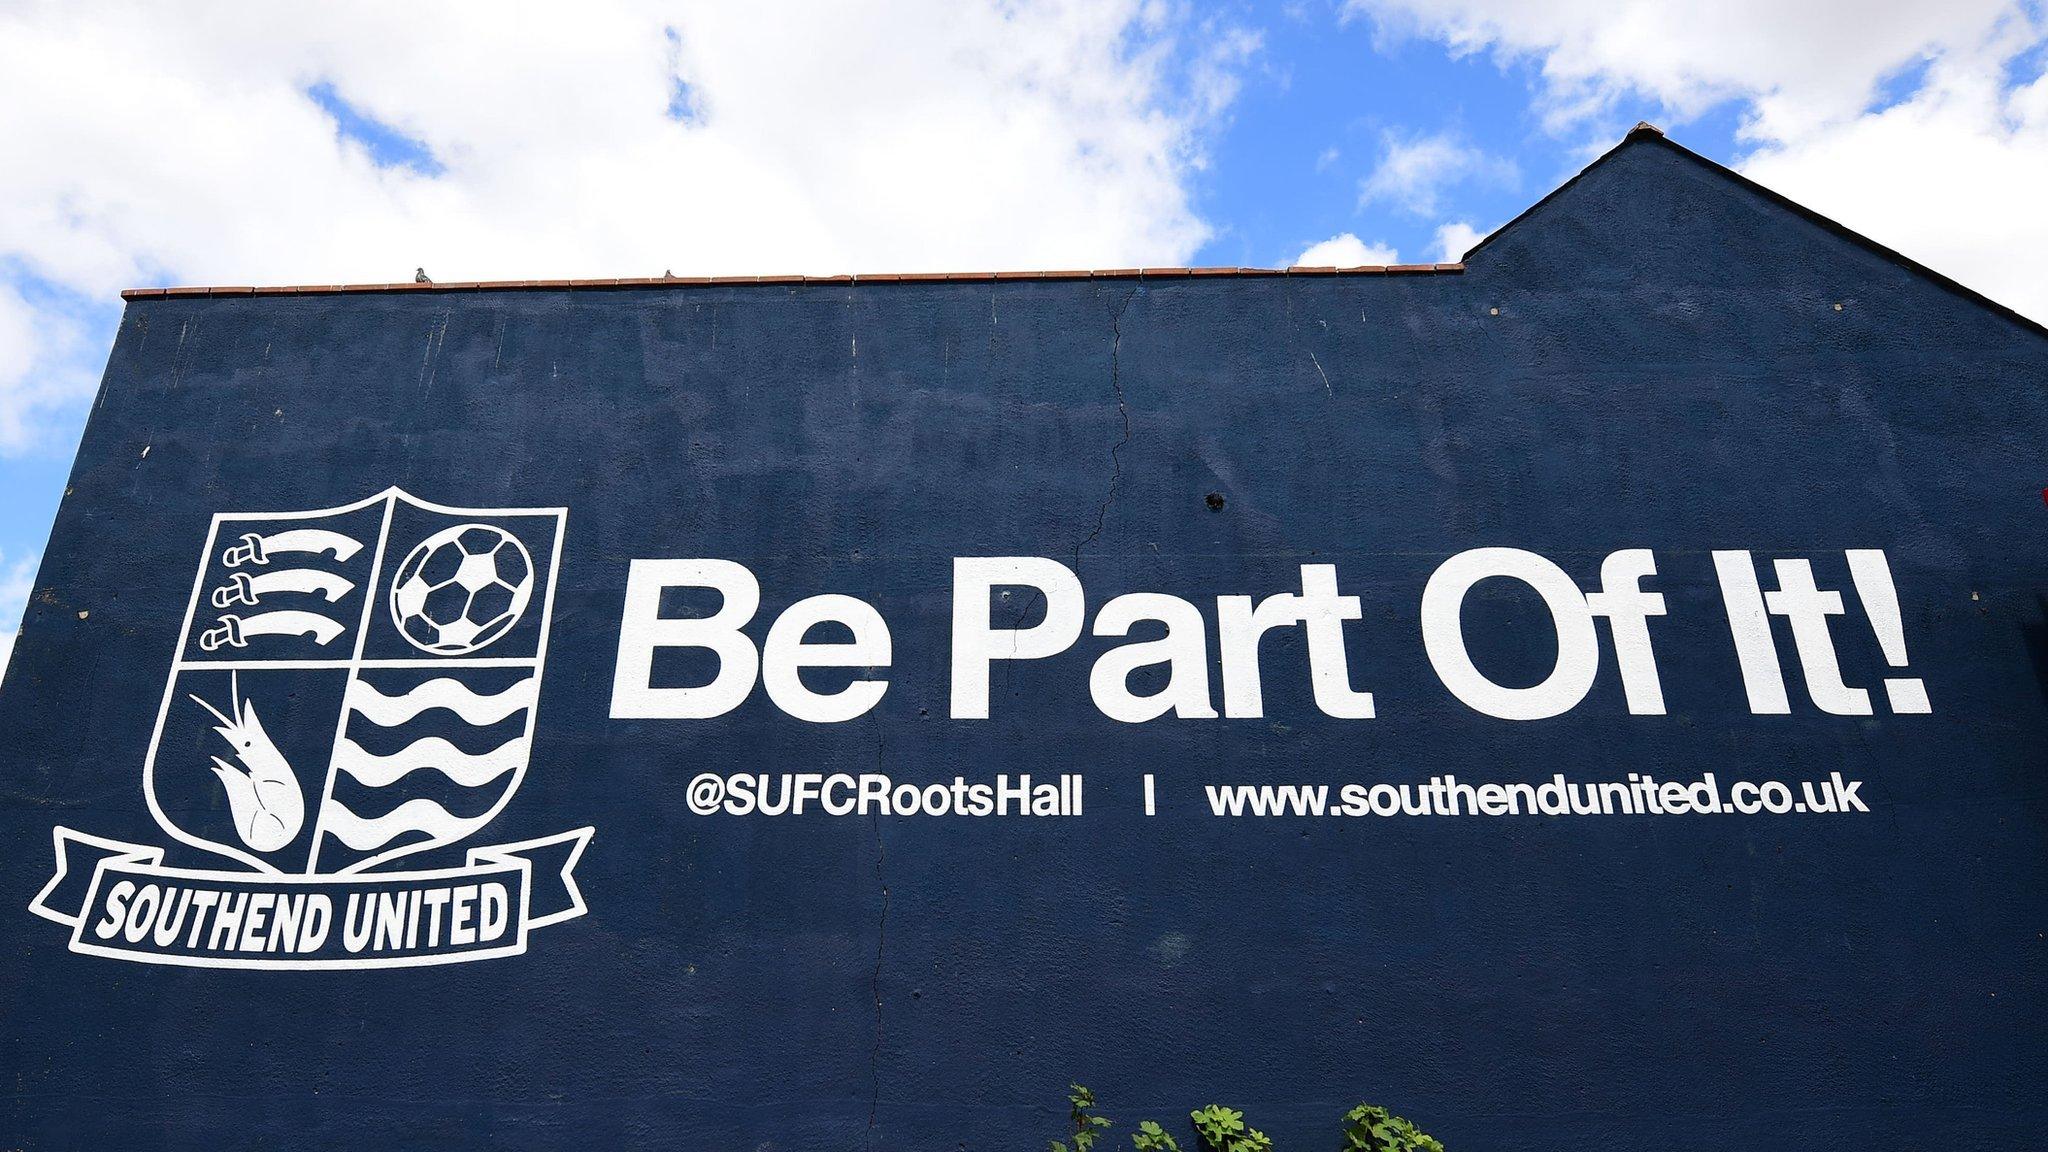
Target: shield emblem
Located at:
point(354, 684)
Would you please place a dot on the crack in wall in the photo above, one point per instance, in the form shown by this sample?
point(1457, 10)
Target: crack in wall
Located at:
point(881, 941)
point(1123, 412)
point(1116, 470)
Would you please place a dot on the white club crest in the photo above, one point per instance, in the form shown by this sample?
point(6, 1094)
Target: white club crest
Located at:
point(352, 686)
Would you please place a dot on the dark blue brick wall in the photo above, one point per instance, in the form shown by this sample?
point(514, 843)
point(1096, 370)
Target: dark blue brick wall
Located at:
point(1666, 370)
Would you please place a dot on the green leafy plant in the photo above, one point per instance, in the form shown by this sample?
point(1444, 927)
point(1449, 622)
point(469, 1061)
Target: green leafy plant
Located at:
point(1371, 1128)
point(1223, 1129)
point(1367, 1128)
point(1150, 1137)
point(1088, 1127)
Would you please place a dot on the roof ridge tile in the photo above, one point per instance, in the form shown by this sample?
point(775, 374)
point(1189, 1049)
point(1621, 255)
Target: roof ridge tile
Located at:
point(792, 279)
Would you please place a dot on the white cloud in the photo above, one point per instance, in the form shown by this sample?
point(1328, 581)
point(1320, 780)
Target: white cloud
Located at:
point(1345, 250)
point(1453, 240)
point(1327, 157)
point(153, 142)
point(1415, 171)
point(1800, 65)
point(1950, 173)
point(45, 367)
point(15, 580)
point(1954, 177)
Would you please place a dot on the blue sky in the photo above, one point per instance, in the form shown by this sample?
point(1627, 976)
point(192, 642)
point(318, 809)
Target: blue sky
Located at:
point(1316, 120)
point(236, 146)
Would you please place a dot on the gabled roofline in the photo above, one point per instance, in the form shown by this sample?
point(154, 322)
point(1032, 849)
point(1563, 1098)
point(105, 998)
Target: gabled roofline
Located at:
point(887, 278)
point(1643, 130)
point(1643, 133)
point(1647, 133)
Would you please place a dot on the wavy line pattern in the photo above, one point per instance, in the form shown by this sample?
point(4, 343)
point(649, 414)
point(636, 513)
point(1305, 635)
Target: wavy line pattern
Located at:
point(474, 707)
point(467, 769)
point(412, 816)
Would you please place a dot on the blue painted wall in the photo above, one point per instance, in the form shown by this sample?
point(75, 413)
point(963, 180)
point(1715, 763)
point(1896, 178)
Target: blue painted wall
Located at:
point(1666, 370)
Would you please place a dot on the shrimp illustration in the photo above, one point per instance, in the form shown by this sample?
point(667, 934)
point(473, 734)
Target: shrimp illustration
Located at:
point(262, 792)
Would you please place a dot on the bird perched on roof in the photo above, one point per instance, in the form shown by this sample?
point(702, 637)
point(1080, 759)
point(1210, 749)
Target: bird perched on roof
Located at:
point(419, 276)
